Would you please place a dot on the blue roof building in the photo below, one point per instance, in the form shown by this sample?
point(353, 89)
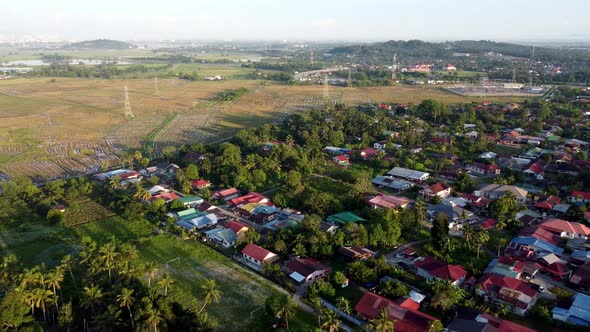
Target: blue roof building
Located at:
point(578, 313)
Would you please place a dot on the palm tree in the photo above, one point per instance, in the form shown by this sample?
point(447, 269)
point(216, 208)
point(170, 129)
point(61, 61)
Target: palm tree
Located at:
point(54, 280)
point(91, 297)
point(126, 299)
point(109, 256)
point(67, 264)
point(480, 239)
point(142, 194)
point(211, 294)
point(151, 270)
point(126, 271)
point(30, 278)
point(166, 282)
point(331, 322)
point(43, 297)
point(154, 316)
point(501, 243)
point(109, 320)
point(129, 251)
point(286, 308)
point(469, 233)
point(114, 182)
point(382, 323)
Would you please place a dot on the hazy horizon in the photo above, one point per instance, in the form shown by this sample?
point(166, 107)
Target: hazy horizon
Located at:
point(371, 20)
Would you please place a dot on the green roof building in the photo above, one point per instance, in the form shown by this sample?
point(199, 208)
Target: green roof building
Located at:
point(344, 218)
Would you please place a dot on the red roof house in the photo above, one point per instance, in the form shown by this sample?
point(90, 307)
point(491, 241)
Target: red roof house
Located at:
point(519, 295)
point(439, 189)
point(389, 202)
point(226, 194)
point(579, 196)
point(257, 255)
point(406, 318)
point(483, 169)
point(167, 197)
point(488, 223)
point(237, 226)
point(565, 228)
point(306, 270)
point(251, 197)
point(431, 268)
point(200, 184)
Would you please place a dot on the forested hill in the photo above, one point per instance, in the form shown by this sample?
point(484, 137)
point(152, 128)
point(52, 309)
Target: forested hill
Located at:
point(381, 53)
point(100, 44)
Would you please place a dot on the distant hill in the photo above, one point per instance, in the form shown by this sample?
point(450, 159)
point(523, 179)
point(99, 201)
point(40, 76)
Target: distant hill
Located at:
point(381, 53)
point(100, 44)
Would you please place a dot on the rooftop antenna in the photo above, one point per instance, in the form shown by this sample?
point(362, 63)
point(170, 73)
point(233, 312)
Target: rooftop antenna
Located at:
point(311, 56)
point(394, 67)
point(156, 93)
point(128, 112)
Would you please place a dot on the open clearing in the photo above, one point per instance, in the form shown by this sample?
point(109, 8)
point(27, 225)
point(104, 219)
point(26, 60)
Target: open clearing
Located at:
point(66, 127)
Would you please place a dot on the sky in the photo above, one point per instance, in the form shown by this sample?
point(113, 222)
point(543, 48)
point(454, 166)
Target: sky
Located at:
point(505, 20)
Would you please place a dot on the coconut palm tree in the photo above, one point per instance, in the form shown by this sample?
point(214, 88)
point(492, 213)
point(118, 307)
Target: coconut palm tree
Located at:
point(481, 238)
point(126, 271)
point(109, 256)
point(142, 194)
point(468, 233)
point(91, 297)
point(382, 323)
point(126, 300)
point(30, 278)
point(166, 282)
point(54, 280)
point(286, 308)
point(66, 265)
point(502, 242)
point(331, 321)
point(129, 251)
point(43, 297)
point(153, 317)
point(114, 182)
point(151, 271)
point(211, 294)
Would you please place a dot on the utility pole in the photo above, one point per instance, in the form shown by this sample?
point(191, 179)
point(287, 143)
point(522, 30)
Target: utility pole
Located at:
point(326, 87)
point(128, 112)
point(394, 68)
point(349, 81)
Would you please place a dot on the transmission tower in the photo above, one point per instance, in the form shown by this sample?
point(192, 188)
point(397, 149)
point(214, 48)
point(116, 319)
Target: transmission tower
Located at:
point(394, 67)
point(128, 112)
point(349, 82)
point(156, 93)
point(311, 56)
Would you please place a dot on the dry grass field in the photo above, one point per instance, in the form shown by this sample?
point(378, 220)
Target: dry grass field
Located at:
point(64, 127)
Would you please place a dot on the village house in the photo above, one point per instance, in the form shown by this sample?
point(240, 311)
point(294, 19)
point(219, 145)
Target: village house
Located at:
point(495, 191)
point(225, 194)
point(251, 197)
point(341, 160)
point(343, 218)
point(579, 197)
point(166, 196)
point(575, 312)
point(506, 266)
point(389, 202)
point(528, 247)
point(483, 169)
point(554, 266)
point(193, 158)
point(258, 256)
point(431, 268)
point(406, 316)
point(200, 222)
point(536, 170)
point(439, 189)
point(392, 183)
point(306, 270)
point(237, 226)
point(566, 229)
point(222, 236)
point(497, 289)
point(580, 279)
point(356, 253)
point(484, 323)
point(200, 184)
point(408, 174)
point(191, 201)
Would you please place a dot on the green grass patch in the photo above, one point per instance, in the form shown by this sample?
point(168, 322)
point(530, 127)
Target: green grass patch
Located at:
point(103, 230)
point(84, 212)
point(328, 185)
point(149, 142)
point(243, 290)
